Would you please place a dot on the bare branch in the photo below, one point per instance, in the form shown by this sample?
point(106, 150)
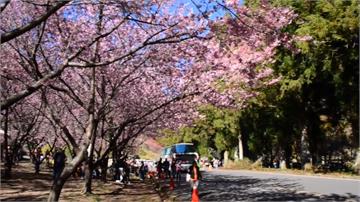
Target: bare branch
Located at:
point(7, 36)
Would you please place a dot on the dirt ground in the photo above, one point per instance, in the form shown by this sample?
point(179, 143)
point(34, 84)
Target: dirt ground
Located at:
point(24, 185)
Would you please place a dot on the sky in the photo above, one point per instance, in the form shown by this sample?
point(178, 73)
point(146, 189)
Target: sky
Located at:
point(190, 4)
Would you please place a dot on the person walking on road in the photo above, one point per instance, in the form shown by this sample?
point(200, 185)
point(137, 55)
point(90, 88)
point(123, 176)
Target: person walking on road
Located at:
point(173, 168)
point(195, 176)
point(159, 168)
point(59, 164)
point(142, 171)
point(37, 159)
point(166, 167)
point(178, 171)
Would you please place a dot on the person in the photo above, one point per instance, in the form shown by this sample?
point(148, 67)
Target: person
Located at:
point(159, 167)
point(124, 170)
point(119, 171)
point(115, 168)
point(195, 175)
point(173, 168)
point(59, 164)
point(166, 166)
point(126, 173)
point(178, 171)
point(216, 163)
point(37, 160)
point(275, 163)
point(80, 171)
point(142, 171)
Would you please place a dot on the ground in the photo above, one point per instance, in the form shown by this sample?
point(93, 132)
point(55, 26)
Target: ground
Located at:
point(27, 186)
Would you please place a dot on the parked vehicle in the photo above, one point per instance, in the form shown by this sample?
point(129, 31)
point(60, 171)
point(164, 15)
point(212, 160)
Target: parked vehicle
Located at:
point(184, 153)
point(166, 153)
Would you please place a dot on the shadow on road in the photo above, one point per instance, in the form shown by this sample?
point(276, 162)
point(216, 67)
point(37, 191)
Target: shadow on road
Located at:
point(230, 188)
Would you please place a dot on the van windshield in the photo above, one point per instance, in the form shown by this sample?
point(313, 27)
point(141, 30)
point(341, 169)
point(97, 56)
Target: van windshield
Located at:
point(184, 148)
point(167, 151)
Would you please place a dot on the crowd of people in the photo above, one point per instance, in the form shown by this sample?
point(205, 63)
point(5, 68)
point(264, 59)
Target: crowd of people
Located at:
point(168, 169)
point(122, 168)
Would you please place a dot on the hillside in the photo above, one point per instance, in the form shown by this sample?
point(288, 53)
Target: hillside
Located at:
point(150, 149)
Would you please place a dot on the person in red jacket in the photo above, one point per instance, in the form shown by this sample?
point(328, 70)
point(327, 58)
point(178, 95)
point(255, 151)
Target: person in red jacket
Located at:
point(195, 175)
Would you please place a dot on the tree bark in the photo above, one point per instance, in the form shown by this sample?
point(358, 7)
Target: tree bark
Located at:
point(8, 162)
point(89, 166)
point(35, 86)
point(104, 166)
point(357, 162)
point(56, 190)
point(226, 157)
point(88, 176)
point(58, 184)
point(7, 36)
point(241, 149)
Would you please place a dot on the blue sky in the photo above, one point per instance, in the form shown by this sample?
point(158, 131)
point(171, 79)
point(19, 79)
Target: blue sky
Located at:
point(71, 14)
point(191, 5)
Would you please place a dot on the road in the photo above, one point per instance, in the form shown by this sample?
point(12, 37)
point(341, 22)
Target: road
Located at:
point(231, 185)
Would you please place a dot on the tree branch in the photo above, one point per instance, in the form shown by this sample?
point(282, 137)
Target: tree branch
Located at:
point(21, 30)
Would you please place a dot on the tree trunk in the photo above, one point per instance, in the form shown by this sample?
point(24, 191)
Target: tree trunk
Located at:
point(8, 162)
point(357, 162)
point(304, 147)
point(76, 161)
point(236, 154)
point(226, 157)
point(114, 163)
point(241, 149)
point(56, 190)
point(68, 171)
point(82, 154)
point(244, 140)
point(104, 166)
point(355, 132)
point(88, 176)
point(288, 154)
point(89, 167)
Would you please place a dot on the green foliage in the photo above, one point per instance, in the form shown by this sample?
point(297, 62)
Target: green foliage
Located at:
point(169, 138)
point(318, 78)
point(218, 129)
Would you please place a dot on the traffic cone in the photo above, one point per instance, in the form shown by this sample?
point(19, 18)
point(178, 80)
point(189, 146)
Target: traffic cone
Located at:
point(172, 184)
point(195, 195)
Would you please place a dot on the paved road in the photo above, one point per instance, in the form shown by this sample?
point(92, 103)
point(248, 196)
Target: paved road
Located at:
point(228, 185)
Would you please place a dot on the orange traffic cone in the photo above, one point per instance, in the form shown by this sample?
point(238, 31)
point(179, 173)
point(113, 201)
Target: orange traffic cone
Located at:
point(195, 195)
point(172, 184)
